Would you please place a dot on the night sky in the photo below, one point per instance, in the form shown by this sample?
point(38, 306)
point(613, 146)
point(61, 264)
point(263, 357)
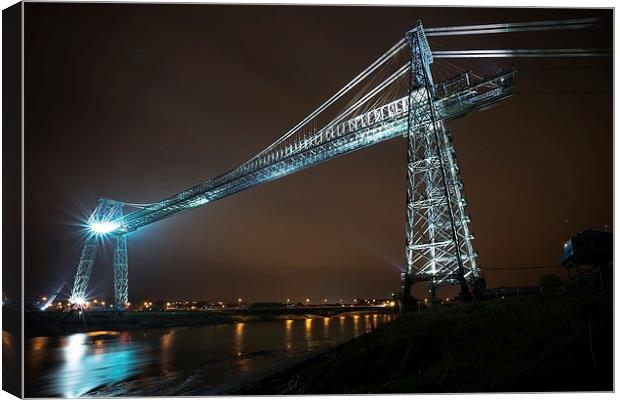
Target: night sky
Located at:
point(138, 102)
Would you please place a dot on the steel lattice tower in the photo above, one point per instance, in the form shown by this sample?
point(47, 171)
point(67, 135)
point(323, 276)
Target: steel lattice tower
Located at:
point(100, 221)
point(121, 284)
point(438, 242)
point(439, 247)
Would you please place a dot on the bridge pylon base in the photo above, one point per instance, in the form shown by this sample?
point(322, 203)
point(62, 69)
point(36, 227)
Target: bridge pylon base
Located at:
point(407, 305)
point(434, 302)
point(464, 297)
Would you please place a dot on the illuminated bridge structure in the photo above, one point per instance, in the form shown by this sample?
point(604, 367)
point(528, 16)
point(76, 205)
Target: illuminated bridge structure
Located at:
point(439, 248)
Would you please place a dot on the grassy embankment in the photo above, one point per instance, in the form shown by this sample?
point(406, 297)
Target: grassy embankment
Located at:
point(541, 343)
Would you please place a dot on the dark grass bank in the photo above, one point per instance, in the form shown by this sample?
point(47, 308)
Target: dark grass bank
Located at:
point(558, 342)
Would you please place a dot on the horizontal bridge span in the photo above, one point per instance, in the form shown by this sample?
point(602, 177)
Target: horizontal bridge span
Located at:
point(454, 98)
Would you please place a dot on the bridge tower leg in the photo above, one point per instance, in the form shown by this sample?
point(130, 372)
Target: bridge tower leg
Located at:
point(464, 236)
point(120, 273)
point(438, 242)
point(105, 212)
point(82, 276)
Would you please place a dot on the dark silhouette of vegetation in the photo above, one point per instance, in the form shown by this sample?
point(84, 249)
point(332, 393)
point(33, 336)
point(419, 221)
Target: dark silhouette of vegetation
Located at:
point(550, 281)
point(560, 342)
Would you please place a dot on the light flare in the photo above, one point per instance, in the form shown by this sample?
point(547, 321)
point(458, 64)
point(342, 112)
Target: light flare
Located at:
point(104, 227)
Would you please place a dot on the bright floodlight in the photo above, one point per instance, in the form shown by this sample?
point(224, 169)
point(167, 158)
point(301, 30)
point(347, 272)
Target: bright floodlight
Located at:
point(104, 227)
point(78, 301)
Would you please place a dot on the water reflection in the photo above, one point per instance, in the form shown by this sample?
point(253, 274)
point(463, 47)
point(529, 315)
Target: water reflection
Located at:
point(11, 355)
point(38, 343)
point(7, 338)
point(209, 357)
point(308, 333)
point(166, 353)
point(367, 326)
point(37, 350)
point(288, 334)
point(88, 364)
point(74, 350)
point(239, 338)
point(308, 326)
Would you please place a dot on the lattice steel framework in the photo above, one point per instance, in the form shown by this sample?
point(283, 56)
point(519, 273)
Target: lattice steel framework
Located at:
point(438, 243)
point(438, 240)
point(106, 212)
point(459, 97)
point(121, 283)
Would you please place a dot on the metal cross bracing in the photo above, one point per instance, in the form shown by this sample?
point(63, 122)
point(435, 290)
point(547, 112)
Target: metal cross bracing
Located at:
point(102, 219)
point(439, 246)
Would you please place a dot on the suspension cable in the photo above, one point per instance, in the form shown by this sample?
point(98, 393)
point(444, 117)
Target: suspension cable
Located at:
point(400, 72)
point(501, 53)
point(363, 75)
point(582, 23)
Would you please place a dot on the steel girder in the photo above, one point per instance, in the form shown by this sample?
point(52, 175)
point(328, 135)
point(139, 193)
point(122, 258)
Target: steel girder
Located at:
point(383, 123)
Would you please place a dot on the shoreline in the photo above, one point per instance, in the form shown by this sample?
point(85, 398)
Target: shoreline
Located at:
point(527, 344)
point(202, 361)
point(52, 323)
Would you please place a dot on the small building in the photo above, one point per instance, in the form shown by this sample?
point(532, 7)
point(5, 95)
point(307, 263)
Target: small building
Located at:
point(588, 257)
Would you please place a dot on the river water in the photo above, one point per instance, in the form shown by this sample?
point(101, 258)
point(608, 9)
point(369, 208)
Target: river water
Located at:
point(179, 361)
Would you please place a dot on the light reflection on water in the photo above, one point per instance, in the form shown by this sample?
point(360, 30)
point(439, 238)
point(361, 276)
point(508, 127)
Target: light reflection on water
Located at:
point(288, 334)
point(326, 326)
point(165, 359)
point(11, 356)
point(85, 359)
point(214, 356)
